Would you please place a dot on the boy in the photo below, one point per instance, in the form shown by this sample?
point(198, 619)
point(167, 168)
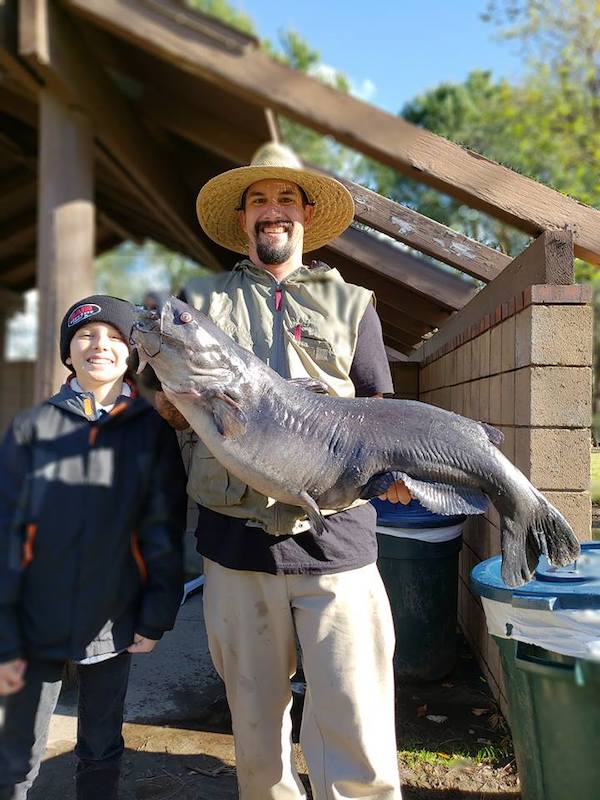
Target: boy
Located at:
point(92, 512)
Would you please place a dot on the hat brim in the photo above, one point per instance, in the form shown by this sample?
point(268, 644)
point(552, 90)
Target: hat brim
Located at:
point(219, 199)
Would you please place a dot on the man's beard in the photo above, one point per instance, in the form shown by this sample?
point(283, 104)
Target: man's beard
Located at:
point(271, 252)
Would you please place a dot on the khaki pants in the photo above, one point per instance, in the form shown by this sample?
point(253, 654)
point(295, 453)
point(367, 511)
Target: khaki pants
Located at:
point(344, 626)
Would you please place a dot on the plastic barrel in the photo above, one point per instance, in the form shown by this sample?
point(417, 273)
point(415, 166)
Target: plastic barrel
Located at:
point(553, 697)
point(419, 567)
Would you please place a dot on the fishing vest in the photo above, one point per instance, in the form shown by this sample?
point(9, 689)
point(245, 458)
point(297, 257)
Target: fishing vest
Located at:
point(306, 325)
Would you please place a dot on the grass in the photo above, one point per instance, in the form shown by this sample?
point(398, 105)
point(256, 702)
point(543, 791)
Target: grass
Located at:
point(413, 754)
point(595, 488)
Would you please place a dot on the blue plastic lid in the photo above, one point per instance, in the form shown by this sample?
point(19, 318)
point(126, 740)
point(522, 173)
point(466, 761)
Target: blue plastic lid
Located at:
point(412, 515)
point(574, 586)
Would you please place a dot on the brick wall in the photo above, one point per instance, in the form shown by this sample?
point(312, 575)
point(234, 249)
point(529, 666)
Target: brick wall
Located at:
point(524, 366)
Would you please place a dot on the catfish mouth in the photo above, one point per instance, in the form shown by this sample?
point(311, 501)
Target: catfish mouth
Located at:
point(147, 335)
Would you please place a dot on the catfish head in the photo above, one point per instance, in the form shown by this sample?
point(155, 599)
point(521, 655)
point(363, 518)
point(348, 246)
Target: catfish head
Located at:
point(188, 353)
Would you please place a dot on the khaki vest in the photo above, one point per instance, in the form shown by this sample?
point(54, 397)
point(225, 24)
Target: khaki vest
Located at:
point(321, 314)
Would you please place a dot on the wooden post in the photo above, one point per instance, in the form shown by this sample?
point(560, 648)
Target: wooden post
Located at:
point(66, 233)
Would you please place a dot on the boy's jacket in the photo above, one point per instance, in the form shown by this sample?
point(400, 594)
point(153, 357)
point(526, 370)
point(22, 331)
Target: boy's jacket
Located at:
point(92, 512)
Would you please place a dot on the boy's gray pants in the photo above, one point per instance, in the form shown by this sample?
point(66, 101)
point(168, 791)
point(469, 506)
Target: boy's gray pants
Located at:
point(27, 714)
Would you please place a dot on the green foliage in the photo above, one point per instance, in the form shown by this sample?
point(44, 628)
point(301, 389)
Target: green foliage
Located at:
point(130, 270)
point(225, 12)
point(546, 127)
point(473, 114)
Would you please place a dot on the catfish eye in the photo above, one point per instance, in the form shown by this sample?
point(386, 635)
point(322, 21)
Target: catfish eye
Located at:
point(185, 316)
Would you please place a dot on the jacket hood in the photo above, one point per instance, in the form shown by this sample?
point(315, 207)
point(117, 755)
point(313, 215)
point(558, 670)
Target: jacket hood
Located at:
point(83, 404)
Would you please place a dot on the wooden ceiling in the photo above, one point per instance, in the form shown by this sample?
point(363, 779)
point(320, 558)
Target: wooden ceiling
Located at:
point(176, 97)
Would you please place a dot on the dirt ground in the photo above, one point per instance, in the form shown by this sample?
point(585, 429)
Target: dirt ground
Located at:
point(465, 755)
point(452, 742)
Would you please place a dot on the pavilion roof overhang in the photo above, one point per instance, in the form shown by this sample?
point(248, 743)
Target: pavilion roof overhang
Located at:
point(177, 97)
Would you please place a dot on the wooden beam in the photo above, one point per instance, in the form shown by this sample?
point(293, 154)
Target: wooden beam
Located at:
point(426, 235)
point(17, 236)
point(9, 51)
point(16, 276)
point(391, 315)
point(404, 301)
point(391, 140)
point(396, 345)
point(395, 355)
point(17, 194)
point(210, 132)
point(400, 336)
point(548, 259)
point(66, 228)
point(445, 289)
point(53, 48)
point(10, 302)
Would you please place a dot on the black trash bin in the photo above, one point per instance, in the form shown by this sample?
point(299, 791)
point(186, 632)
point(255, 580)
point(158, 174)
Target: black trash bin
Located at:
point(418, 562)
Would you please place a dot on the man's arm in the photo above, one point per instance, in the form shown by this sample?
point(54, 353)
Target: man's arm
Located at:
point(370, 373)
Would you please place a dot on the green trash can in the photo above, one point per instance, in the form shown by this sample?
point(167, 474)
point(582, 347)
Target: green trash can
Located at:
point(418, 562)
point(548, 633)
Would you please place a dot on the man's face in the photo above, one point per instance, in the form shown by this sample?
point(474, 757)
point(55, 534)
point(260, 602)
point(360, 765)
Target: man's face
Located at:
point(274, 219)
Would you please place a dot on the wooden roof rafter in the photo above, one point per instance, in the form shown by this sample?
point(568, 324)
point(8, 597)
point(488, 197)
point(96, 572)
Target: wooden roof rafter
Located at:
point(469, 177)
point(51, 46)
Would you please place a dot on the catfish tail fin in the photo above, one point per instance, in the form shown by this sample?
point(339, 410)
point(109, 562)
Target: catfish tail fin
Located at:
point(535, 529)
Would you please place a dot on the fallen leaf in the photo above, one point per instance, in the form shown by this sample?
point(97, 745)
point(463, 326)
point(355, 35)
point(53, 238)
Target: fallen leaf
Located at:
point(448, 685)
point(438, 718)
point(422, 710)
point(479, 712)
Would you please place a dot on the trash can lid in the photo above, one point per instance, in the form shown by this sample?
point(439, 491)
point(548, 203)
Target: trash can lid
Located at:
point(575, 586)
point(411, 515)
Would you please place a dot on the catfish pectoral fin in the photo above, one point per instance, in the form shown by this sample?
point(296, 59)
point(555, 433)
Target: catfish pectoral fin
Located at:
point(379, 484)
point(309, 384)
point(228, 416)
point(443, 498)
point(313, 513)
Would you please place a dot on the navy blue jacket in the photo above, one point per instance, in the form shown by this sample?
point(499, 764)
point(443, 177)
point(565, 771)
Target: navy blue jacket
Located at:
point(92, 513)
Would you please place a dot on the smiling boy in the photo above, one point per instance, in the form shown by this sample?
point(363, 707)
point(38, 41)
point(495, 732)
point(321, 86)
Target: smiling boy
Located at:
point(92, 512)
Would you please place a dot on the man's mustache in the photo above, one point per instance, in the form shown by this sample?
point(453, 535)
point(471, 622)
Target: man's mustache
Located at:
point(259, 227)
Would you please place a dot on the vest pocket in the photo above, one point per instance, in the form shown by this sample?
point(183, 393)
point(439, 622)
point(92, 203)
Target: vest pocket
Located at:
point(318, 349)
point(209, 483)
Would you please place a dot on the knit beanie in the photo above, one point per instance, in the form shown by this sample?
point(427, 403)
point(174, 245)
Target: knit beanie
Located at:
point(96, 308)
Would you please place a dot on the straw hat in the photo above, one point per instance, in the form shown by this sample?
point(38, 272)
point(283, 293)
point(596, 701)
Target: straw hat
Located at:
point(220, 198)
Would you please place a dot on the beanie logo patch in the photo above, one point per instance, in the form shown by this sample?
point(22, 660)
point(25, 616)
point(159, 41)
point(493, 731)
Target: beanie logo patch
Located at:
point(82, 312)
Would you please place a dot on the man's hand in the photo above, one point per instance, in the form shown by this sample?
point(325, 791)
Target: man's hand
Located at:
point(12, 676)
point(141, 644)
point(397, 493)
point(168, 411)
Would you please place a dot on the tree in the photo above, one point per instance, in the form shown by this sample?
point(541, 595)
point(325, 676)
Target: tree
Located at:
point(474, 114)
point(131, 270)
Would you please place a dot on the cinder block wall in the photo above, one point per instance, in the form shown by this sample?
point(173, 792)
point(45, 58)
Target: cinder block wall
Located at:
point(525, 368)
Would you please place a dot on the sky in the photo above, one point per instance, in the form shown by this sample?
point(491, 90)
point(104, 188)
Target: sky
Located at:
point(392, 50)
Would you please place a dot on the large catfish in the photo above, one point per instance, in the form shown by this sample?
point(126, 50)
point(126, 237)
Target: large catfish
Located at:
point(291, 442)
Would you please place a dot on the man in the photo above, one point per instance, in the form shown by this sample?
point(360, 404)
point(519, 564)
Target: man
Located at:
point(268, 577)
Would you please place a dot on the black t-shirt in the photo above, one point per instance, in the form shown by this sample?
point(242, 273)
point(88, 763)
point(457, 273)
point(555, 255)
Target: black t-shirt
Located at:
point(349, 539)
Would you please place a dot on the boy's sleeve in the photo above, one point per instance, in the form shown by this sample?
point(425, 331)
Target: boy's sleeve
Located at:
point(160, 537)
point(14, 469)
